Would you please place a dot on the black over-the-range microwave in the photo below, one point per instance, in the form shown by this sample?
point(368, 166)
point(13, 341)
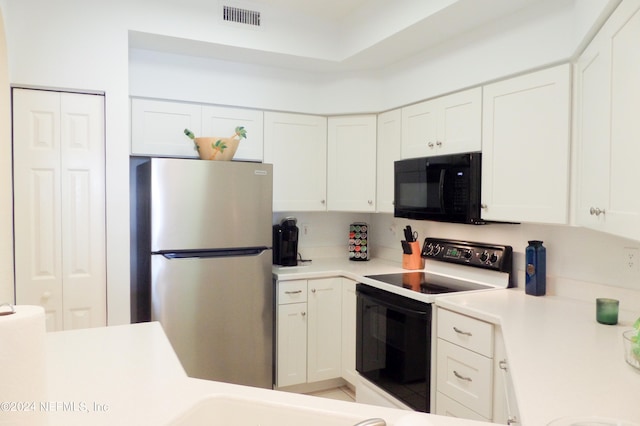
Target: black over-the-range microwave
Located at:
point(444, 188)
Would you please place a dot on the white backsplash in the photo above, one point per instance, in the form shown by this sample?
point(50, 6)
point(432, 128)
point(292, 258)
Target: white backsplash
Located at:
point(325, 235)
point(581, 263)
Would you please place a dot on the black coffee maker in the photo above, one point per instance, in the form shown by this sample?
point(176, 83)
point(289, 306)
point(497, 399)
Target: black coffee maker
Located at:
point(285, 242)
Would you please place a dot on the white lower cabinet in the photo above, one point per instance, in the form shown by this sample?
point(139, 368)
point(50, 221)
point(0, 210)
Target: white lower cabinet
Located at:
point(291, 333)
point(471, 370)
point(309, 331)
point(349, 303)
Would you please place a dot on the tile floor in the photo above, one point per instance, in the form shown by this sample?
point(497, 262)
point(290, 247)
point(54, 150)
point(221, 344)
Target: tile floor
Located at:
point(343, 393)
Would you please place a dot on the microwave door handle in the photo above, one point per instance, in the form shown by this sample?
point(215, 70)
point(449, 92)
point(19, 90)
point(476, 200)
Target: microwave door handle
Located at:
point(441, 189)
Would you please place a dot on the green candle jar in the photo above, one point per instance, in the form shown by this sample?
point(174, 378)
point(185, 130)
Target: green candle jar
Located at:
point(607, 311)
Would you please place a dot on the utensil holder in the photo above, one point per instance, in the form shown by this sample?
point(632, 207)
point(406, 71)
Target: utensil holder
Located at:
point(413, 260)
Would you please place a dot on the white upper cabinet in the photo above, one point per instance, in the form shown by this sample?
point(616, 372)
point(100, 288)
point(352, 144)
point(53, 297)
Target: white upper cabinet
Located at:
point(296, 145)
point(608, 128)
point(351, 163)
point(388, 151)
point(525, 147)
point(157, 128)
point(445, 125)
point(222, 121)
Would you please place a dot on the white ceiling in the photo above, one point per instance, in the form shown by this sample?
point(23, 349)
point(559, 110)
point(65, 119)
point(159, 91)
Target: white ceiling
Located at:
point(373, 34)
point(325, 9)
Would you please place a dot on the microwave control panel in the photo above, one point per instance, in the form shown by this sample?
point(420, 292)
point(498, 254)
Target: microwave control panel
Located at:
point(481, 255)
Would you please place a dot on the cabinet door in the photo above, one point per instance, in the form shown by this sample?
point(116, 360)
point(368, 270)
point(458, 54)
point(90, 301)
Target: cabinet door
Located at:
point(222, 121)
point(419, 129)
point(351, 163)
point(525, 147)
point(466, 377)
point(623, 214)
point(608, 131)
point(388, 151)
point(59, 189)
point(296, 145)
point(291, 367)
point(157, 127)
point(460, 122)
point(349, 331)
point(592, 127)
point(446, 125)
point(324, 329)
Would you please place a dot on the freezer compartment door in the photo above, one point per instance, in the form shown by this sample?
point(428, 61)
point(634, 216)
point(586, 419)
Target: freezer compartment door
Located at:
point(218, 315)
point(199, 204)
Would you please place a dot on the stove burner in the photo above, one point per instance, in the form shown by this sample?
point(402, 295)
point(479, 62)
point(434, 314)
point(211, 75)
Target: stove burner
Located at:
point(424, 282)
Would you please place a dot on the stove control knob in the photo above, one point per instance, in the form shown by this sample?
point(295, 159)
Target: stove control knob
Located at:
point(493, 258)
point(429, 249)
point(484, 256)
point(437, 249)
point(467, 254)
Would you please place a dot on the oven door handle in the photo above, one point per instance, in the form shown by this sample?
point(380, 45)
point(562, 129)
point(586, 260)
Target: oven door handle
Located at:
point(397, 308)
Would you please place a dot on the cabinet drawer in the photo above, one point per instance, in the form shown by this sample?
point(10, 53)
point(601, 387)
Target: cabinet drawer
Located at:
point(465, 331)
point(292, 292)
point(466, 377)
point(446, 406)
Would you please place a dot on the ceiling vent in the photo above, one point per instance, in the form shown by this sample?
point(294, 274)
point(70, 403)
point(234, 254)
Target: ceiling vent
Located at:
point(241, 16)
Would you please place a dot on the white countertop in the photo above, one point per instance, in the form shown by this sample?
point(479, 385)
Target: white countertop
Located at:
point(563, 363)
point(129, 375)
point(322, 268)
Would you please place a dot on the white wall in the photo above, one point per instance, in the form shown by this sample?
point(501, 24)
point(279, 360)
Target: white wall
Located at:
point(81, 45)
point(6, 201)
point(84, 44)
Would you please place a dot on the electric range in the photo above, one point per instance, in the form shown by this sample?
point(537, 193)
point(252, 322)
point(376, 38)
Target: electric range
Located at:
point(394, 317)
point(451, 266)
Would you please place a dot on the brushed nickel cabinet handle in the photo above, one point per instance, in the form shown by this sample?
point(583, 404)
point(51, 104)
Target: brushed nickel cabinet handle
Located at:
point(466, 333)
point(461, 377)
point(293, 292)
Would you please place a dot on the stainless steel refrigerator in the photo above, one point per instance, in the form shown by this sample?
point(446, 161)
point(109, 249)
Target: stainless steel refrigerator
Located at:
point(208, 237)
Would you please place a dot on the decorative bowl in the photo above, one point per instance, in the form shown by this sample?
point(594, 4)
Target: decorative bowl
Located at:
point(632, 348)
point(216, 148)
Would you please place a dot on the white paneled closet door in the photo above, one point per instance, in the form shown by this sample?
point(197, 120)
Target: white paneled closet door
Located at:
point(59, 187)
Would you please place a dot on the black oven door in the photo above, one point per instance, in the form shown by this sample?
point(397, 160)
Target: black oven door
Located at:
point(393, 346)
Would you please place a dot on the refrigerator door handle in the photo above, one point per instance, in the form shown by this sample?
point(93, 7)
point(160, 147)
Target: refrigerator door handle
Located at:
point(205, 254)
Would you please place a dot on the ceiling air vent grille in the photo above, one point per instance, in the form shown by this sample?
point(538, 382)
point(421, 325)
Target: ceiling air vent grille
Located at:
point(241, 16)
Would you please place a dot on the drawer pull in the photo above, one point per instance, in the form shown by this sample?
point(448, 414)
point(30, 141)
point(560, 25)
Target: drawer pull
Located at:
point(466, 333)
point(461, 377)
point(293, 292)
